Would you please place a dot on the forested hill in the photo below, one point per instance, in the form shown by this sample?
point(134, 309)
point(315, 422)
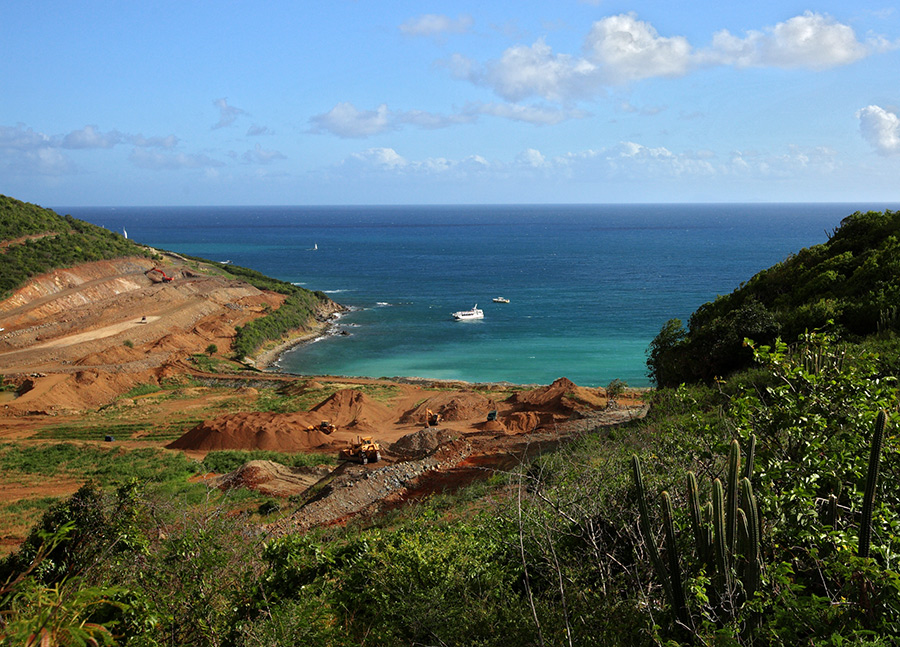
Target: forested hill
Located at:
point(851, 284)
point(36, 240)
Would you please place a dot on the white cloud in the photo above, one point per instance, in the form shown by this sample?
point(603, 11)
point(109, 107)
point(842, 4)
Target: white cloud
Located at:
point(260, 156)
point(227, 114)
point(880, 128)
point(532, 157)
point(344, 120)
point(256, 131)
point(621, 49)
point(524, 72)
point(811, 41)
point(436, 25)
point(90, 137)
point(629, 49)
point(21, 138)
point(382, 158)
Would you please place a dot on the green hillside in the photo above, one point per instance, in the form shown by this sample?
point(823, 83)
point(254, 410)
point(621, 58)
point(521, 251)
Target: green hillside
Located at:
point(850, 284)
point(41, 240)
point(38, 240)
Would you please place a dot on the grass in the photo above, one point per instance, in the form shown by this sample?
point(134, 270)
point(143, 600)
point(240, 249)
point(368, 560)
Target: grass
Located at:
point(224, 461)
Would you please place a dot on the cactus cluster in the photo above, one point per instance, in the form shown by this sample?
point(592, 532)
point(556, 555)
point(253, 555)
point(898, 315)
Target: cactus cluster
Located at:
point(726, 533)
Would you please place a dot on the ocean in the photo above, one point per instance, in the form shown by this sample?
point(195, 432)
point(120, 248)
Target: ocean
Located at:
point(589, 286)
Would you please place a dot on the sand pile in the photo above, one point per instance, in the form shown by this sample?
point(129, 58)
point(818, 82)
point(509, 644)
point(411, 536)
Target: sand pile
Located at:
point(279, 432)
point(352, 409)
point(563, 396)
point(271, 478)
point(421, 443)
point(453, 406)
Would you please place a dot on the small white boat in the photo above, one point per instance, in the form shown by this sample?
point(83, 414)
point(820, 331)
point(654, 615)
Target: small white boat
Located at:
point(315, 246)
point(124, 232)
point(464, 315)
point(500, 300)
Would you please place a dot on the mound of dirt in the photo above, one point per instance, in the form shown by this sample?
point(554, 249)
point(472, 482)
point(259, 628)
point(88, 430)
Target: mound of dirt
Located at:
point(563, 396)
point(279, 432)
point(422, 442)
point(521, 422)
point(453, 406)
point(271, 478)
point(354, 409)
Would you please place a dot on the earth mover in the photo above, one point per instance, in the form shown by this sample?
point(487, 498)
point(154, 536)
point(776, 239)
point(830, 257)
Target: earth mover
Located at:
point(325, 427)
point(364, 450)
point(432, 418)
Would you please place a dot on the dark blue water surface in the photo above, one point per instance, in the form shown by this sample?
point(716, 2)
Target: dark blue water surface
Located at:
point(589, 285)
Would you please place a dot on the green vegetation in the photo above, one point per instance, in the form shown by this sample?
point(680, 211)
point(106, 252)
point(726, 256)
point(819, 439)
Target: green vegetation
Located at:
point(62, 242)
point(850, 284)
point(47, 241)
point(760, 509)
point(297, 312)
point(224, 461)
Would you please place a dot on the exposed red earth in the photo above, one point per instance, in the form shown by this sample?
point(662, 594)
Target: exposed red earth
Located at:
point(74, 341)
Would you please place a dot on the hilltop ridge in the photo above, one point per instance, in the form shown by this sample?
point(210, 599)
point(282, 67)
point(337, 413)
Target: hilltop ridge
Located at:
point(89, 314)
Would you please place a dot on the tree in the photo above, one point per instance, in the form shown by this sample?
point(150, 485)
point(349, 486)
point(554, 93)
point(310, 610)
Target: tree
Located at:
point(212, 349)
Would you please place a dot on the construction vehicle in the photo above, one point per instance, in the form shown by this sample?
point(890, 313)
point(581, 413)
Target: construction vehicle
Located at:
point(325, 427)
point(364, 450)
point(432, 418)
point(165, 278)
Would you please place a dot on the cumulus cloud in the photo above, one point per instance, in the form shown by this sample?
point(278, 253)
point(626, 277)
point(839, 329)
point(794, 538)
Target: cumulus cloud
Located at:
point(880, 128)
point(26, 150)
point(436, 25)
point(622, 49)
point(523, 72)
point(628, 49)
point(812, 40)
point(256, 131)
point(19, 137)
point(345, 120)
point(227, 114)
point(260, 156)
point(90, 137)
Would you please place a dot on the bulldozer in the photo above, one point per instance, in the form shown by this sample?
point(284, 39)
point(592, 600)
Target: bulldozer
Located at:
point(364, 450)
point(432, 418)
point(325, 427)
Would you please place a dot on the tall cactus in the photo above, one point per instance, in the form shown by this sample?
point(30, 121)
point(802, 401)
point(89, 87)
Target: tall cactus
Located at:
point(726, 533)
point(723, 566)
point(731, 501)
point(752, 569)
point(865, 528)
point(701, 538)
point(646, 533)
point(674, 567)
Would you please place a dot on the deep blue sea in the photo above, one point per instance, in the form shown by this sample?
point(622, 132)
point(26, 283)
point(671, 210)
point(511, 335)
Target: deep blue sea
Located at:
point(589, 285)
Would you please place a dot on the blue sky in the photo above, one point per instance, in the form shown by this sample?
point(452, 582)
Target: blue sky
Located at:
point(381, 102)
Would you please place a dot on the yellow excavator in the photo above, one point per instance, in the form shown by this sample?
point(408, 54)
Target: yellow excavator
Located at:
point(325, 427)
point(432, 418)
point(364, 450)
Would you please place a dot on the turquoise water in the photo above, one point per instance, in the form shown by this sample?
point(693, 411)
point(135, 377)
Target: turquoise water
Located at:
point(589, 286)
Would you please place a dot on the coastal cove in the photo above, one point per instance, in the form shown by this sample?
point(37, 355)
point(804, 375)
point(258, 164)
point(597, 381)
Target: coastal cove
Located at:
point(589, 285)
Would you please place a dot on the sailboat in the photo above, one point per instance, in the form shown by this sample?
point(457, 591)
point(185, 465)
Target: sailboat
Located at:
point(124, 232)
point(315, 246)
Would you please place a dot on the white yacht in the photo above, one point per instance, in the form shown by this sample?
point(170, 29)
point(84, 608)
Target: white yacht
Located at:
point(464, 315)
point(501, 300)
